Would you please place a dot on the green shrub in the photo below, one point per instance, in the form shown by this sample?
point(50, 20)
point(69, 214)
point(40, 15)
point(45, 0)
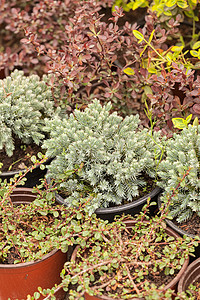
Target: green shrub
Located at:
point(24, 103)
point(182, 155)
point(102, 154)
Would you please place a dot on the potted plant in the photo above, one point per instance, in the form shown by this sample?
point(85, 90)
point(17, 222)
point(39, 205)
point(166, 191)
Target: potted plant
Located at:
point(30, 229)
point(25, 102)
point(36, 235)
point(182, 161)
point(127, 259)
point(103, 157)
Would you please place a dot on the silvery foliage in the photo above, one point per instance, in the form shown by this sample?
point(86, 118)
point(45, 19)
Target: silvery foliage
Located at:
point(114, 154)
point(24, 103)
point(182, 153)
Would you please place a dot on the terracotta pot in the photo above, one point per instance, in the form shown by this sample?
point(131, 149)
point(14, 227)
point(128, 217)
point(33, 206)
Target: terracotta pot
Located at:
point(131, 208)
point(17, 281)
point(33, 178)
point(191, 275)
point(171, 285)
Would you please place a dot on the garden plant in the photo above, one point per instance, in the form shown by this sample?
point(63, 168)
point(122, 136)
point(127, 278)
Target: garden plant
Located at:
point(87, 54)
point(102, 156)
point(26, 101)
point(182, 154)
point(131, 257)
point(97, 87)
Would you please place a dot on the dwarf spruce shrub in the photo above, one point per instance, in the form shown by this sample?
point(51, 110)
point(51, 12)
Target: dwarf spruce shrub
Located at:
point(102, 154)
point(24, 103)
point(182, 154)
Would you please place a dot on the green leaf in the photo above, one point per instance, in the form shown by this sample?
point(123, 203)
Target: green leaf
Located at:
point(50, 196)
point(42, 167)
point(192, 2)
point(170, 3)
point(152, 70)
point(179, 123)
point(77, 228)
point(188, 119)
point(55, 214)
point(196, 122)
point(194, 53)
point(11, 227)
point(182, 183)
point(167, 13)
point(147, 90)
point(64, 247)
point(167, 271)
point(97, 235)
point(37, 295)
point(40, 155)
point(171, 272)
point(182, 3)
point(113, 282)
point(169, 56)
point(151, 36)
point(196, 45)
point(138, 35)
point(33, 159)
point(177, 48)
point(129, 71)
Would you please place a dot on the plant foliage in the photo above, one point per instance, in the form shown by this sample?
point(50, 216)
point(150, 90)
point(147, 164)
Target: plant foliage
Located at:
point(182, 154)
point(102, 154)
point(119, 261)
point(24, 103)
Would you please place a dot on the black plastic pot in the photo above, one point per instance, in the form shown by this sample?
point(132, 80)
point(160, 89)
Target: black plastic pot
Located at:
point(180, 231)
point(131, 208)
point(33, 177)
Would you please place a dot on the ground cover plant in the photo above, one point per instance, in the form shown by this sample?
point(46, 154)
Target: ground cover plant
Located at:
point(29, 231)
point(125, 261)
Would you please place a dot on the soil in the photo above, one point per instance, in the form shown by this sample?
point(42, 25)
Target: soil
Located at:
point(21, 158)
point(25, 225)
point(191, 226)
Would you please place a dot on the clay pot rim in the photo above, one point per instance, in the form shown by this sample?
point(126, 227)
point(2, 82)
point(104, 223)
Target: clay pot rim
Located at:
point(27, 191)
point(195, 265)
point(29, 263)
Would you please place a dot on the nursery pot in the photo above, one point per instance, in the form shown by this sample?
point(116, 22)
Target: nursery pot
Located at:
point(181, 232)
point(32, 178)
point(171, 285)
point(191, 276)
point(131, 208)
point(19, 280)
